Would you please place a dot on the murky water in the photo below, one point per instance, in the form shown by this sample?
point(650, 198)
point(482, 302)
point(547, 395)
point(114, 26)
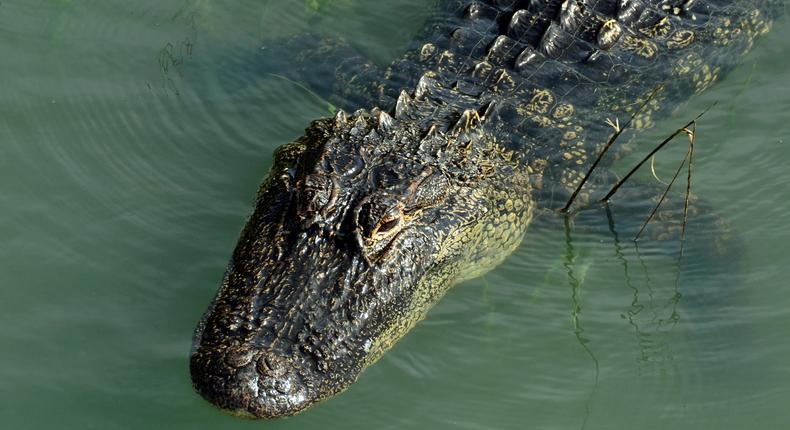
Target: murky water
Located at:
point(133, 136)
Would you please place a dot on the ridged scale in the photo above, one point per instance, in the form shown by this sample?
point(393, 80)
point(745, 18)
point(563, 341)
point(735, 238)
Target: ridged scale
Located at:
point(592, 59)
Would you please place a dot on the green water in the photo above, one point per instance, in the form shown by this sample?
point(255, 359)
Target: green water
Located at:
point(133, 136)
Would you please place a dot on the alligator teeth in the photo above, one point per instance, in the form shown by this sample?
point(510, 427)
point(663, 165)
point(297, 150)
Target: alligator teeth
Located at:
point(522, 26)
point(373, 136)
point(341, 118)
point(360, 123)
point(609, 34)
point(403, 105)
point(469, 119)
point(385, 122)
point(555, 41)
point(427, 52)
point(433, 131)
point(503, 50)
point(424, 87)
point(570, 15)
point(527, 62)
point(482, 70)
point(489, 111)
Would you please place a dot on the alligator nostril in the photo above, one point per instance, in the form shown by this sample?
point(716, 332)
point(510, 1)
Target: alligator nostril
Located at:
point(284, 386)
point(272, 365)
point(279, 374)
point(238, 357)
point(254, 383)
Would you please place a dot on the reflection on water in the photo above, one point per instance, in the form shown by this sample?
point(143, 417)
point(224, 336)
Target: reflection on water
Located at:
point(133, 137)
point(173, 56)
point(575, 280)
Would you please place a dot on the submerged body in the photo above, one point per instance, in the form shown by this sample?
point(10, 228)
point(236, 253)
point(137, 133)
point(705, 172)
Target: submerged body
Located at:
point(367, 220)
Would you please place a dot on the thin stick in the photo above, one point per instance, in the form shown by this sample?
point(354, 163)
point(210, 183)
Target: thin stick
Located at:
point(692, 141)
point(653, 170)
point(618, 131)
point(663, 196)
point(329, 106)
point(653, 152)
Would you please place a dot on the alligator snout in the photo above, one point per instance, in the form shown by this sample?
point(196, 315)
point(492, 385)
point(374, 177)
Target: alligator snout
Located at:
point(247, 382)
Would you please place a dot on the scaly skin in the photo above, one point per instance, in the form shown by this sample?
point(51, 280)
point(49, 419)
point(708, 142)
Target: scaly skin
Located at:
point(366, 221)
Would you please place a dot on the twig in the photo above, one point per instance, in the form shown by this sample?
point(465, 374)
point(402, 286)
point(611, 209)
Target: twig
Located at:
point(329, 106)
point(692, 140)
point(666, 191)
point(653, 152)
point(618, 131)
point(653, 170)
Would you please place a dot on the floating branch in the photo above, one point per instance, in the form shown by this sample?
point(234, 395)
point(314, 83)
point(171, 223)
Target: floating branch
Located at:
point(617, 132)
point(692, 141)
point(683, 129)
point(692, 136)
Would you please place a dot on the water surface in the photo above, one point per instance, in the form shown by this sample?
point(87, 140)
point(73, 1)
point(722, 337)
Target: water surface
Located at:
point(133, 136)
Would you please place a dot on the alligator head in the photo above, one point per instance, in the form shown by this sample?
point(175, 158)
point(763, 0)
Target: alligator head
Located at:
point(360, 227)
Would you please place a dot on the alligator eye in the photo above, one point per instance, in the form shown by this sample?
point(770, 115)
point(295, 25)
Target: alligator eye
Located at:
point(386, 226)
point(377, 220)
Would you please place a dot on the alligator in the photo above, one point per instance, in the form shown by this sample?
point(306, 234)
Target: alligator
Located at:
point(368, 219)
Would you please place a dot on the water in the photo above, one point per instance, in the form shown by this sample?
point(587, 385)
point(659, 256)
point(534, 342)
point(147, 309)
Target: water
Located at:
point(134, 135)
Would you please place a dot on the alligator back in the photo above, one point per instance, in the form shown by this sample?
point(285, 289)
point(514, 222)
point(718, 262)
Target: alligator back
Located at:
point(552, 72)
